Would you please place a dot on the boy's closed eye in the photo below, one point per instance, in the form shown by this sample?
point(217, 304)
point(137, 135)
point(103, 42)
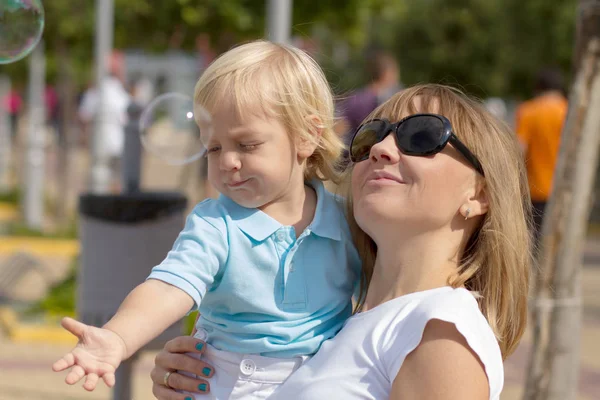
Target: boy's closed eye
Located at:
point(212, 149)
point(249, 146)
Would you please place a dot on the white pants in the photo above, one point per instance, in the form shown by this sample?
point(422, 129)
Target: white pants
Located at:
point(244, 376)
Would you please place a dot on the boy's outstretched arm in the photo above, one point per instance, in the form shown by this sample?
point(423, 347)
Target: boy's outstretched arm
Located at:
point(146, 312)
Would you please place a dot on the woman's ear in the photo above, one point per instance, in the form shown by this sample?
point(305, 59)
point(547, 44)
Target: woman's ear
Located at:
point(306, 145)
point(477, 203)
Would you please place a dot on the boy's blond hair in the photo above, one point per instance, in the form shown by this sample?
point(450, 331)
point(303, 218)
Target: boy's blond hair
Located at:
point(280, 81)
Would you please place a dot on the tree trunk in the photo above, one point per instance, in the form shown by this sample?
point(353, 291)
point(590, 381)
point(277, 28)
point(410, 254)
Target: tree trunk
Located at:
point(66, 95)
point(557, 306)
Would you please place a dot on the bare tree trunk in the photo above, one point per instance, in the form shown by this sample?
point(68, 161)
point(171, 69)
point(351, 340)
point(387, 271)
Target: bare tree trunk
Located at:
point(66, 95)
point(557, 308)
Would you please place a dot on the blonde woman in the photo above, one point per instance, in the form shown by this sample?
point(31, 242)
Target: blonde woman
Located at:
point(440, 208)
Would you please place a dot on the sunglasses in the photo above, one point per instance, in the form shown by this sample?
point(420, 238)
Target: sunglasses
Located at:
point(417, 135)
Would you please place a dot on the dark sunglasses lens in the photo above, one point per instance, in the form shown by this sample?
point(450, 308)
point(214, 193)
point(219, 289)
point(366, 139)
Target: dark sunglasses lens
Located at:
point(367, 136)
point(421, 135)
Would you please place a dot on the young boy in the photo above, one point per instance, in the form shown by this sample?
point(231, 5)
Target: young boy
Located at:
point(269, 264)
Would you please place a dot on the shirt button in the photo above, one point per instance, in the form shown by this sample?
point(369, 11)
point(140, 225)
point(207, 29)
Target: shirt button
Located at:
point(292, 267)
point(201, 334)
point(280, 235)
point(247, 367)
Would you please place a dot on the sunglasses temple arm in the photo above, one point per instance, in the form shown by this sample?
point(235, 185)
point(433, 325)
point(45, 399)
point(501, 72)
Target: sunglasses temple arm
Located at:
point(466, 153)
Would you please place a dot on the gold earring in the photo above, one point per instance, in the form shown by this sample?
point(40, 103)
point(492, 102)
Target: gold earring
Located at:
point(467, 213)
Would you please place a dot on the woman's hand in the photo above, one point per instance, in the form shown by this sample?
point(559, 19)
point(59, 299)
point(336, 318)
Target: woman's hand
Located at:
point(173, 358)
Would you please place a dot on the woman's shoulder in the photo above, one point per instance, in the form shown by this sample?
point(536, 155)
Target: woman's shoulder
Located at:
point(450, 300)
point(458, 306)
point(455, 306)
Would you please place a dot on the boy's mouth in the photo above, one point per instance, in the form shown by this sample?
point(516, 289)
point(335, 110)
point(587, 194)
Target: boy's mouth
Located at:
point(234, 184)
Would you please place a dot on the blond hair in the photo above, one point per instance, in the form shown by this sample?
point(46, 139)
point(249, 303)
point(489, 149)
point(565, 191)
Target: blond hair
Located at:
point(497, 258)
point(283, 82)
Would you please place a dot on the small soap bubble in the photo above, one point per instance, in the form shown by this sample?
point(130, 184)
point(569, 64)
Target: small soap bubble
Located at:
point(169, 128)
point(21, 27)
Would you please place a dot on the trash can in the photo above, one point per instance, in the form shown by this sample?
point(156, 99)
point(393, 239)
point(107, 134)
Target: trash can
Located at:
point(122, 237)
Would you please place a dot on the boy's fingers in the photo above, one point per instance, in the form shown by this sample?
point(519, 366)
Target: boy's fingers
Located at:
point(109, 379)
point(75, 375)
point(67, 361)
point(90, 382)
point(73, 326)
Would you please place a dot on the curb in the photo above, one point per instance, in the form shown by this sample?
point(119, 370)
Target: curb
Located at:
point(40, 246)
point(27, 333)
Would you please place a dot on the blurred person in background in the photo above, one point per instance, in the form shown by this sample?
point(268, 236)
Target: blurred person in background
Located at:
point(539, 123)
point(384, 76)
point(52, 103)
point(496, 106)
point(114, 119)
point(13, 104)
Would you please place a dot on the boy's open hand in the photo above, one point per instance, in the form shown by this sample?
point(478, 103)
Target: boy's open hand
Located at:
point(97, 355)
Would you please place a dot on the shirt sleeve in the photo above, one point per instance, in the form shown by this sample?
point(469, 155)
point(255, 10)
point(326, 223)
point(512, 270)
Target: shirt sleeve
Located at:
point(459, 309)
point(199, 252)
point(523, 125)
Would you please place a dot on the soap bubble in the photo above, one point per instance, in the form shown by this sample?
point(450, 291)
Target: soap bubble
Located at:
point(21, 27)
point(169, 128)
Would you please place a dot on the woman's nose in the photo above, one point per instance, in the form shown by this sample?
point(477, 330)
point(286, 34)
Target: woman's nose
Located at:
point(230, 161)
point(386, 150)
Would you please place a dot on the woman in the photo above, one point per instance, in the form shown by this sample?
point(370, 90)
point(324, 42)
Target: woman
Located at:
point(440, 207)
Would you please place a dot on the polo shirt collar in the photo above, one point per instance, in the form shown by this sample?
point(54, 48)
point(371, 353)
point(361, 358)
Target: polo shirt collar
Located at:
point(251, 221)
point(260, 226)
point(327, 221)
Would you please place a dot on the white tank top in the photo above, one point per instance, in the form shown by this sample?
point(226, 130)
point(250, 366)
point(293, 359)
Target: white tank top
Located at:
point(362, 361)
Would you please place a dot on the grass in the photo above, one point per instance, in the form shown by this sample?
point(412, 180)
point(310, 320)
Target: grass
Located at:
point(20, 229)
point(60, 301)
point(11, 197)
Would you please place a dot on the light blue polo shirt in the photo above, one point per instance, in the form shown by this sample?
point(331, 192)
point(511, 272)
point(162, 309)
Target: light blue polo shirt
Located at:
point(258, 287)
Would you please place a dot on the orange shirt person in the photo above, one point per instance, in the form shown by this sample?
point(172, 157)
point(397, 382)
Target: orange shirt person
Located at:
point(539, 124)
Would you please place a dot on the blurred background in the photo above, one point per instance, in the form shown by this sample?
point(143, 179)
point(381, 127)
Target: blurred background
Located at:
point(62, 137)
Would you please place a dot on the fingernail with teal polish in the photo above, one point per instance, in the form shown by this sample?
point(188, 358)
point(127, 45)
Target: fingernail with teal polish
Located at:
point(206, 371)
point(202, 387)
point(188, 398)
point(199, 346)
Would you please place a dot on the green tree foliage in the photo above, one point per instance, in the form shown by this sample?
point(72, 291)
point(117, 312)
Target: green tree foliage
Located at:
point(490, 47)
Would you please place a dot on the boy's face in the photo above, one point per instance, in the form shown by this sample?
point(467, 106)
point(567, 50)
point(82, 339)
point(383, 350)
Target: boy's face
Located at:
point(252, 161)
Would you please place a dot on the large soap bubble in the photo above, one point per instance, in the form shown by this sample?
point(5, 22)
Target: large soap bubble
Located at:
point(21, 27)
point(169, 128)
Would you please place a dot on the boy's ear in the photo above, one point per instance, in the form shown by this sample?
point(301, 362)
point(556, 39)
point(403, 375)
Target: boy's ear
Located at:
point(306, 146)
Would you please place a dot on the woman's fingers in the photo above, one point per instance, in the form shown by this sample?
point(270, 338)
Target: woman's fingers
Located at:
point(185, 344)
point(178, 381)
point(164, 393)
point(182, 362)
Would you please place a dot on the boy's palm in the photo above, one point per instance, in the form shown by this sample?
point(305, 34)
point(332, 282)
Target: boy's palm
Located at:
point(97, 355)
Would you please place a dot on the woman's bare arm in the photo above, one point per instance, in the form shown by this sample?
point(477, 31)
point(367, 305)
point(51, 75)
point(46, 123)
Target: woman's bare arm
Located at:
point(443, 366)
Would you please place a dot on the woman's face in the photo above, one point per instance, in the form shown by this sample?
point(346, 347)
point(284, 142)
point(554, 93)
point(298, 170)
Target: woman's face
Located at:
point(393, 192)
